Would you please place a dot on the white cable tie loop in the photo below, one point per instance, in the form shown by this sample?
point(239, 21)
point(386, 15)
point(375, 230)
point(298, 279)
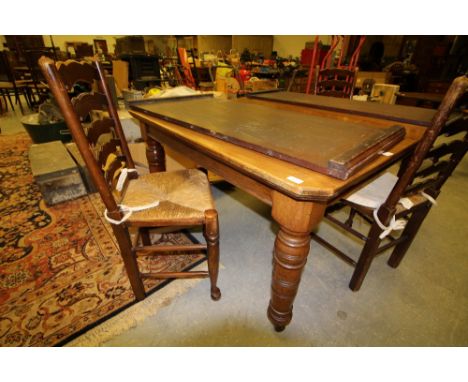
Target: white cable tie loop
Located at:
point(117, 222)
point(395, 225)
point(128, 211)
point(406, 203)
point(429, 197)
point(123, 177)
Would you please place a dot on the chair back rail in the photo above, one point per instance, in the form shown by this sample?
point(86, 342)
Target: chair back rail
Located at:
point(73, 72)
point(97, 128)
point(110, 147)
point(84, 103)
point(112, 171)
point(455, 126)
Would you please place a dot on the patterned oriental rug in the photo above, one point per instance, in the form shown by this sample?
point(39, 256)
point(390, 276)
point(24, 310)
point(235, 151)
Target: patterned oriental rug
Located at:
point(60, 269)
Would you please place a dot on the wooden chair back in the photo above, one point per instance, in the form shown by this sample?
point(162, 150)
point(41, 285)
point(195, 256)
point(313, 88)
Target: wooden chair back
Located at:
point(6, 73)
point(425, 170)
point(8, 83)
point(334, 82)
point(104, 161)
point(32, 57)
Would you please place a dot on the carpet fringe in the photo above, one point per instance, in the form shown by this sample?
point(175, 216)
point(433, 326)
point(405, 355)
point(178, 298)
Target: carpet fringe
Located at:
point(135, 314)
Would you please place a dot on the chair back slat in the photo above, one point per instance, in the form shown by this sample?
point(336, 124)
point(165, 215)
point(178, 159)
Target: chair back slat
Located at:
point(336, 73)
point(458, 126)
point(107, 149)
point(112, 171)
point(84, 103)
point(418, 186)
point(436, 168)
point(438, 152)
point(74, 72)
point(405, 185)
point(333, 84)
point(341, 93)
point(99, 127)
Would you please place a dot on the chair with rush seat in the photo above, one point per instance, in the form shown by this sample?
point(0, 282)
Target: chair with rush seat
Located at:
point(334, 82)
point(168, 200)
point(402, 202)
point(10, 86)
point(38, 88)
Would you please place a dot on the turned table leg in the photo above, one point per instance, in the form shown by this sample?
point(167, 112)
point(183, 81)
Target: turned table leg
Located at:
point(296, 220)
point(154, 152)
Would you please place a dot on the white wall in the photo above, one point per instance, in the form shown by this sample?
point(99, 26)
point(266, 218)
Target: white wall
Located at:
point(207, 43)
point(292, 45)
point(2, 41)
point(60, 40)
point(285, 45)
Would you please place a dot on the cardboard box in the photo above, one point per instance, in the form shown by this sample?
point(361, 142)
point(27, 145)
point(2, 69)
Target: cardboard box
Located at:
point(378, 77)
point(259, 85)
point(55, 172)
point(384, 93)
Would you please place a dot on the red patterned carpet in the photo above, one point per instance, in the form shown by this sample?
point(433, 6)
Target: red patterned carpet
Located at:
point(60, 270)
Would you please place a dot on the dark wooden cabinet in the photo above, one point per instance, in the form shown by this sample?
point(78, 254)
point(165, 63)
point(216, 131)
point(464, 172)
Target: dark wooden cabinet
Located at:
point(19, 44)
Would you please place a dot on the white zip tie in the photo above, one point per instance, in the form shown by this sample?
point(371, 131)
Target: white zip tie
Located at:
point(123, 177)
point(429, 197)
point(128, 211)
point(395, 225)
point(406, 203)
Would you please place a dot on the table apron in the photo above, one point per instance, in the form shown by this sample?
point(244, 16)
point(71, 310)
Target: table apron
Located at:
point(233, 175)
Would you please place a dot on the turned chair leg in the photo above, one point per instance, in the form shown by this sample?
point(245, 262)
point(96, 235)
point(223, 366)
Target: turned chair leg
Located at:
point(145, 236)
point(211, 234)
point(18, 101)
point(350, 220)
point(4, 100)
point(9, 100)
point(410, 231)
point(365, 259)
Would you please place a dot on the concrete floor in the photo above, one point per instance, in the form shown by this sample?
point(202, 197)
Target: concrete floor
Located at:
point(422, 303)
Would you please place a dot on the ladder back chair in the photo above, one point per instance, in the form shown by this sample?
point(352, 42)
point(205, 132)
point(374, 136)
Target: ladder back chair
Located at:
point(168, 200)
point(409, 195)
point(38, 88)
point(9, 85)
point(335, 82)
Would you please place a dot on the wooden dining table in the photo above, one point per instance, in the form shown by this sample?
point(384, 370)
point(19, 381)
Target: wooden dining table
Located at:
point(298, 196)
point(347, 109)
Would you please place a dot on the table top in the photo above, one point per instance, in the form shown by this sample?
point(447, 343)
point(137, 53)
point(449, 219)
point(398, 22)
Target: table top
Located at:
point(296, 181)
point(431, 97)
point(396, 113)
point(331, 147)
